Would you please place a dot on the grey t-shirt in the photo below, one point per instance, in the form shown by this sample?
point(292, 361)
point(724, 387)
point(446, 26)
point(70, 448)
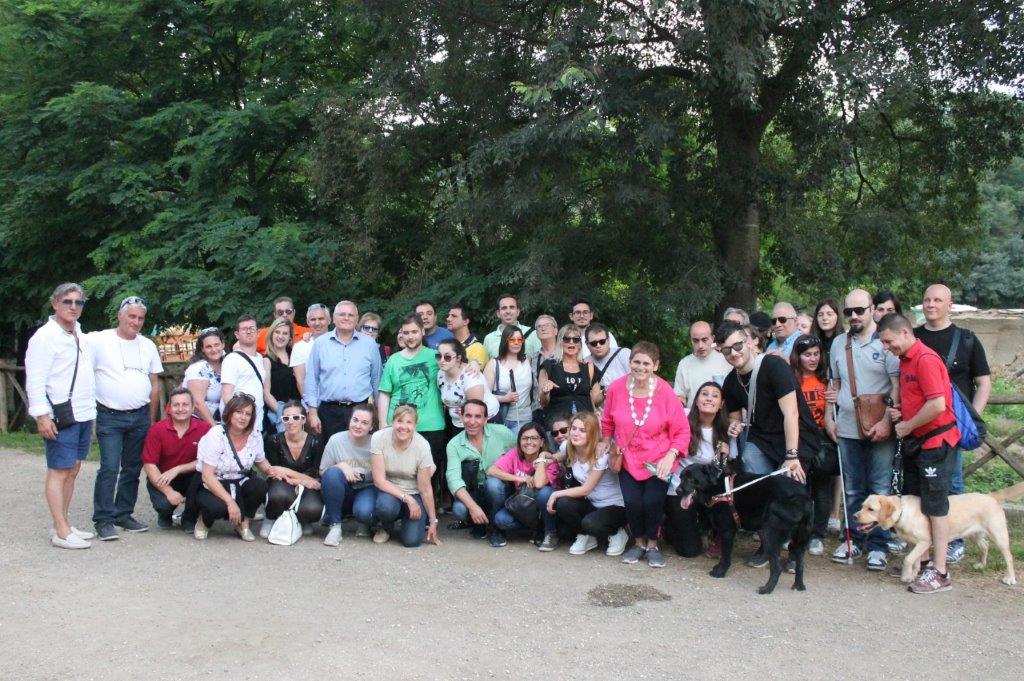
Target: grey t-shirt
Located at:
point(875, 369)
point(341, 449)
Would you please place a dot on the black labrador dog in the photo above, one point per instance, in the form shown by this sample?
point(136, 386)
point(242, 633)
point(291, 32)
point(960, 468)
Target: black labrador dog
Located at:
point(778, 507)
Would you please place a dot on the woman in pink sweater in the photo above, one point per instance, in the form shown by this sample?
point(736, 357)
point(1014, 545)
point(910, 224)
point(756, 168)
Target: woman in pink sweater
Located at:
point(645, 418)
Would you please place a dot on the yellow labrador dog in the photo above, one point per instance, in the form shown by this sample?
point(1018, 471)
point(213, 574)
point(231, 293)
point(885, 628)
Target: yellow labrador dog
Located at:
point(976, 516)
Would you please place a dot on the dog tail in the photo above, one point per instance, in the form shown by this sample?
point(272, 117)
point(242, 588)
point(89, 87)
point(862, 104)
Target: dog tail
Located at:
point(1008, 493)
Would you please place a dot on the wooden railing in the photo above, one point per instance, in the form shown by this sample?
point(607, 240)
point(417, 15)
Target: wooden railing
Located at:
point(999, 447)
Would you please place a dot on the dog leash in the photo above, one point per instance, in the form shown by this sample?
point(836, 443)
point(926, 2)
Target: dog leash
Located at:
point(729, 492)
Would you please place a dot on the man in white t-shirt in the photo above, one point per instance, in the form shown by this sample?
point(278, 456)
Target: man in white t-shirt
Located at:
point(126, 365)
point(613, 362)
point(244, 370)
point(319, 320)
point(703, 365)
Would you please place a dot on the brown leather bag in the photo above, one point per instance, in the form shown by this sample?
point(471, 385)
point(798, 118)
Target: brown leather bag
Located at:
point(870, 408)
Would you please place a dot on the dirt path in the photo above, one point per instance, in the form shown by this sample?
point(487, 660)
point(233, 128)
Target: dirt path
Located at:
point(160, 605)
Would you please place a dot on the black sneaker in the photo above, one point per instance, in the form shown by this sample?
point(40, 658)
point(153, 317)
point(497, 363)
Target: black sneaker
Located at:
point(106, 532)
point(457, 525)
point(131, 524)
point(759, 560)
point(497, 539)
point(478, 532)
point(189, 527)
point(164, 521)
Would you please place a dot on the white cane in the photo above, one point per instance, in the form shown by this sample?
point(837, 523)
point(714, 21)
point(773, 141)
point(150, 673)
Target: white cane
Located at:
point(842, 483)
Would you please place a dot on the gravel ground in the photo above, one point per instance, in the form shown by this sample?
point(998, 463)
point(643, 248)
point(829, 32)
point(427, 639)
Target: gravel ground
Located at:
point(160, 605)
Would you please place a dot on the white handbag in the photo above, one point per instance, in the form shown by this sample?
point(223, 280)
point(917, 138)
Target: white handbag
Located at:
point(287, 529)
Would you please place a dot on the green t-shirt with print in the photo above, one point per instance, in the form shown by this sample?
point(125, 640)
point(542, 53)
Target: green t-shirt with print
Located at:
point(414, 381)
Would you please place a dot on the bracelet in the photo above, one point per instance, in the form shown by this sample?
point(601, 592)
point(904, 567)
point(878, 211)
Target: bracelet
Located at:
point(434, 521)
point(792, 454)
point(403, 498)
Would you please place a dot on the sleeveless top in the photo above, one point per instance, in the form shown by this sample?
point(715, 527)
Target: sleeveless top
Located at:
point(282, 381)
point(573, 392)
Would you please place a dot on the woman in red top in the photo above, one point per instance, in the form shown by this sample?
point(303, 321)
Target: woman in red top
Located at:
point(645, 418)
point(812, 375)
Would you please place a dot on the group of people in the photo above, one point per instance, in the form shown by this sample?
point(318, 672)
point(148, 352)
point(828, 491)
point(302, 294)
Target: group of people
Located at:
point(552, 432)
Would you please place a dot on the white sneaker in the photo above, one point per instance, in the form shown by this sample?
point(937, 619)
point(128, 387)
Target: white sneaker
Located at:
point(261, 513)
point(617, 542)
point(816, 547)
point(81, 534)
point(333, 537)
point(201, 531)
point(265, 527)
point(381, 537)
point(73, 541)
point(834, 525)
point(583, 543)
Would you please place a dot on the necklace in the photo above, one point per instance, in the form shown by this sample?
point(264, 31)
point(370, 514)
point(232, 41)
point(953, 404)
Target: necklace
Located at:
point(650, 401)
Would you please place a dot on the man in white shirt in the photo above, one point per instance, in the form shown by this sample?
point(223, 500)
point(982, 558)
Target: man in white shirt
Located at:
point(244, 370)
point(58, 370)
point(126, 365)
point(319, 320)
point(703, 365)
point(612, 362)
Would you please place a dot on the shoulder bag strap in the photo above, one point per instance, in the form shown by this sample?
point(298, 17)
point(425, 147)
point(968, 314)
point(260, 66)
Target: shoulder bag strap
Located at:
point(849, 366)
point(951, 357)
point(248, 359)
point(241, 469)
point(299, 489)
point(752, 388)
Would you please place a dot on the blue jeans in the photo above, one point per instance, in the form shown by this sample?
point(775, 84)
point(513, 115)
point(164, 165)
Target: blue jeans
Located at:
point(390, 509)
point(867, 469)
point(491, 497)
point(505, 521)
point(754, 460)
point(339, 496)
point(120, 435)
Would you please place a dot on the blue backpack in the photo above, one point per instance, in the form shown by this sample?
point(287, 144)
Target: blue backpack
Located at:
point(968, 422)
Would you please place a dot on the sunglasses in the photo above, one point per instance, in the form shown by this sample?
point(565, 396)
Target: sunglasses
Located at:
point(132, 300)
point(735, 347)
point(780, 320)
point(560, 431)
point(283, 313)
point(208, 331)
point(851, 311)
point(515, 341)
point(447, 357)
point(245, 396)
point(597, 342)
point(367, 328)
point(575, 340)
point(295, 417)
point(807, 344)
point(71, 302)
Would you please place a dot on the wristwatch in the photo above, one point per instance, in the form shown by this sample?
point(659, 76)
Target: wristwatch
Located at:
point(792, 454)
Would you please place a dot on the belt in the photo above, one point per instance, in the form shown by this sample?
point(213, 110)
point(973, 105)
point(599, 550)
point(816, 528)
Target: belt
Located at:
point(105, 408)
point(339, 403)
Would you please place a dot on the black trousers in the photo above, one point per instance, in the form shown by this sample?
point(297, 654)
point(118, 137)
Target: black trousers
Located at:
point(439, 452)
point(334, 418)
point(576, 515)
point(683, 528)
point(821, 495)
point(182, 484)
point(248, 495)
point(281, 495)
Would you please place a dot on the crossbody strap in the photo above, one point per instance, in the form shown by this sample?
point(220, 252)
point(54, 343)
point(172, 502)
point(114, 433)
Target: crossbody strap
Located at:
point(234, 452)
point(849, 366)
point(951, 357)
point(752, 388)
point(248, 359)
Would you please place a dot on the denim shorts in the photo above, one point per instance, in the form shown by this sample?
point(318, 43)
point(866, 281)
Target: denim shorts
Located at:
point(70, 447)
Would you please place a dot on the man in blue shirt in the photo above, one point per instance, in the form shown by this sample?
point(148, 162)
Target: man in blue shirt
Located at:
point(343, 370)
point(432, 333)
point(784, 329)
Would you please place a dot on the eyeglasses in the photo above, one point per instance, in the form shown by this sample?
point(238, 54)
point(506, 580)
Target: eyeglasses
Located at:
point(247, 329)
point(780, 320)
point(851, 311)
point(295, 417)
point(531, 438)
point(560, 431)
point(447, 357)
point(597, 342)
point(72, 302)
point(368, 328)
point(736, 347)
point(577, 313)
point(575, 340)
point(284, 313)
point(131, 301)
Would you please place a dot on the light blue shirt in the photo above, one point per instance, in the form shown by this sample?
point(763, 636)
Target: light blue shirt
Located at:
point(342, 372)
point(787, 346)
point(440, 334)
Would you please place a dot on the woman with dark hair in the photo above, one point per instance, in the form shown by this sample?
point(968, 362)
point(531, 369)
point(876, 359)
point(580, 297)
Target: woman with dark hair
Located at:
point(297, 454)
point(757, 336)
point(709, 440)
point(567, 385)
point(593, 510)
point(510, 378)
point(280, 338)
point(457, 384)
point(202, 377)
point(812, 376)
point(346, 481)
point(828, 323)
point(885, 303)
point(225, 459)
point(526, 465)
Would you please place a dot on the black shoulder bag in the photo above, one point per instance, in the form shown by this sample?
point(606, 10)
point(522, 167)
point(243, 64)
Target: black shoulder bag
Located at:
point(63, 414)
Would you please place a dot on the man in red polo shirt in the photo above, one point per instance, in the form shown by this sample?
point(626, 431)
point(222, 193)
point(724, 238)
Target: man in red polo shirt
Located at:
point(169, 459)
point(926, 424)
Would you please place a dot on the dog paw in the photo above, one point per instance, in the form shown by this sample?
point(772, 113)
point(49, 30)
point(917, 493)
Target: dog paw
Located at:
point(799, 586)
point(1009, 581)
point(764, 590)
point(718, 572)
point(978, 566)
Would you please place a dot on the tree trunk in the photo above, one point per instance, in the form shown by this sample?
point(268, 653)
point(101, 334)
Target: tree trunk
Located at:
point(737, 231)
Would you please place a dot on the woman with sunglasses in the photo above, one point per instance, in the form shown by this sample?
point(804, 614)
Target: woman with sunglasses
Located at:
point(280, 338)
point(225, 458)
point(558, 433)
point(370, 324)
point(202, 377)
point(811, 374)
point(567, 385)
point(457, 384)
point(528, 464)
point(510, 379)
point(296, 453)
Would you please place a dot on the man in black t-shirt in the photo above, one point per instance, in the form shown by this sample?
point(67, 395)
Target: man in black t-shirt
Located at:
point(969, 372)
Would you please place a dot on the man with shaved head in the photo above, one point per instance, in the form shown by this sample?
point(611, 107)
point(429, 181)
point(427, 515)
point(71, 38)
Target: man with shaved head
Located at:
point(703, 365)
point(867, 455)
point(784, 330)
point(966, 363)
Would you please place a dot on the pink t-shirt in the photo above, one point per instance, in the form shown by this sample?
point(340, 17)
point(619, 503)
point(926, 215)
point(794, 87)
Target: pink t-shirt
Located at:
point(666, 427)
point(513, 465)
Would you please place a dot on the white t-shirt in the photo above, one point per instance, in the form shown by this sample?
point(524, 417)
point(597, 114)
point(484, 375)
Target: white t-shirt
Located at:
point(453, 394)
point(122, 369)
point(607, 491)
point(300, 353)
point(214, 450)
point(202, 371)
point(522, 410)
point(614, 365)
point(234, 370)
point(693, 372)
point(402, 467)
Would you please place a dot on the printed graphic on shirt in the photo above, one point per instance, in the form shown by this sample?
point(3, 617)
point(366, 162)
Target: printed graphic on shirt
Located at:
point(413, 385)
